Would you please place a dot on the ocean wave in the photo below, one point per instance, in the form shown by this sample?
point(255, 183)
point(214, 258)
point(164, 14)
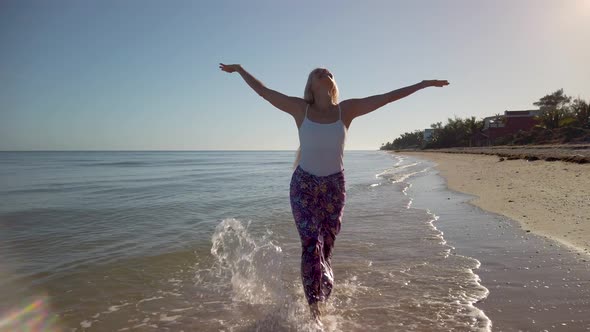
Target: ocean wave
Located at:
point(119, 163)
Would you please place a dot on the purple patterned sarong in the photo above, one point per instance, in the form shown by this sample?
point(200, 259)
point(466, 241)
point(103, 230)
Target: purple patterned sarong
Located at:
point(317, 203)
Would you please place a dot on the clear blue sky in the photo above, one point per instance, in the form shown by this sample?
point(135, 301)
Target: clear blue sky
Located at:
point(136, 75)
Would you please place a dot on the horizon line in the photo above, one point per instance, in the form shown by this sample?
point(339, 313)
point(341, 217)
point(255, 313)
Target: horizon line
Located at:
point(204, 150)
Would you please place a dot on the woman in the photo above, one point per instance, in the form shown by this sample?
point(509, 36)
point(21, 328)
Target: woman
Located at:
point(317, 192)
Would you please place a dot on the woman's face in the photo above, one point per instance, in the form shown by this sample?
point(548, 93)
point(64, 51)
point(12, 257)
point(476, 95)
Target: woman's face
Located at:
point(322, 73)
point(322, 76)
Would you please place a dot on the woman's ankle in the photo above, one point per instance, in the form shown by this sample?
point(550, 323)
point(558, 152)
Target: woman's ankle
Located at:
point(314, 308)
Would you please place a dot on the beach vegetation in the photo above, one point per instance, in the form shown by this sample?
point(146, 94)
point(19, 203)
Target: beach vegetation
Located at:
point(411, 140)
point(559, 110)
point(580, 109)
point(554, 108)
point(560, 119)
point(456, 132)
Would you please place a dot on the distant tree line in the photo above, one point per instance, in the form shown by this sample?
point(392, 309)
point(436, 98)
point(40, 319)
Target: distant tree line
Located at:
point(556, 110)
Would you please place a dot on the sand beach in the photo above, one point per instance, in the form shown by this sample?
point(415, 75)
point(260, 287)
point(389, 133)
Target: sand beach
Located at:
point(549, 198)
point(526, 223)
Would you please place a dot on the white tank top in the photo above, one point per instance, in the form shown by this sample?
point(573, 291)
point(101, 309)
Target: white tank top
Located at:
point(322, 145)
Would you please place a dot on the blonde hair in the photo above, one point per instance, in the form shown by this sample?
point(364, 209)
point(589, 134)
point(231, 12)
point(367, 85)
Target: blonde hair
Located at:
point(309, 98)
point(308, 93)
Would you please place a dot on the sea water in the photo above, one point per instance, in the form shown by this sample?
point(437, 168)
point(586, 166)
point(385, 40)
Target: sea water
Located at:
point(205, 241)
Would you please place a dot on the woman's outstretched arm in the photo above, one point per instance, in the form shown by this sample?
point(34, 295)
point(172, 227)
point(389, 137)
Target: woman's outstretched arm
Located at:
point(361, 106)
point(291, 105)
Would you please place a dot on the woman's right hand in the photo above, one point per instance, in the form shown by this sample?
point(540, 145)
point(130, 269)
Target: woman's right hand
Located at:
point(229, 68)
point(436, 83)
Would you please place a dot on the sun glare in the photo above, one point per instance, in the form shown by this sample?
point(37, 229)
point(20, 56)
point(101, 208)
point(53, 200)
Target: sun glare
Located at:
point(33, 316)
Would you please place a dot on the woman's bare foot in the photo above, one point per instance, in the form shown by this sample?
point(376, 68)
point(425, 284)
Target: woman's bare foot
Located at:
point(323, 307)
point(316, 314)
point(314, 308)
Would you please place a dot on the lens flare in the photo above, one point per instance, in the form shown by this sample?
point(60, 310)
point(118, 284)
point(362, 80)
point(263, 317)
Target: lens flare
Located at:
point(30, 317)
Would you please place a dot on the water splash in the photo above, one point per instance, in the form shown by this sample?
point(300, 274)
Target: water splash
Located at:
point(262, 296)
point(252, 265)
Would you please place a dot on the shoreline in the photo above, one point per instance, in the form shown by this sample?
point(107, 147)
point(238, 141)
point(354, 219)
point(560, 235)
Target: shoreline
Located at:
point(573, 153)
point(534, 282)
point(550, 199)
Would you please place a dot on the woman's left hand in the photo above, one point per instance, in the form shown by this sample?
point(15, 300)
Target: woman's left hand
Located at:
point(437, 83)
point(229, 68)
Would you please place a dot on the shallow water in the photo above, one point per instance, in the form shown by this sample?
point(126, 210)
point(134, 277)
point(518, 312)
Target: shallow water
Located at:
point(171, 241)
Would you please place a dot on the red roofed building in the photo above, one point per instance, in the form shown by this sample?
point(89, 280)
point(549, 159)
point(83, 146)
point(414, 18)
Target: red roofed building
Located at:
point(510, 123)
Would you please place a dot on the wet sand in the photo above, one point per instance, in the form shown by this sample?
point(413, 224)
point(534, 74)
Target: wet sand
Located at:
point(537, 280)
point(548, 198)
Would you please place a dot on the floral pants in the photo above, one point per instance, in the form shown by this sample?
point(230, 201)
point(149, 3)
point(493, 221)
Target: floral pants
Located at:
point(317, 203)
